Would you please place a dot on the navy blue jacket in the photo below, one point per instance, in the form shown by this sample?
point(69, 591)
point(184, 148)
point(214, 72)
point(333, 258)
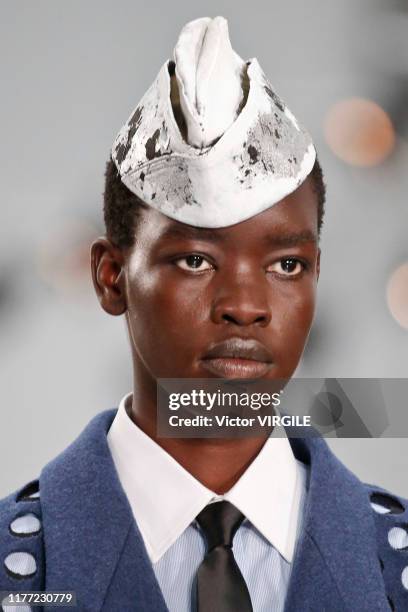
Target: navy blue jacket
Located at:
point(89, 542)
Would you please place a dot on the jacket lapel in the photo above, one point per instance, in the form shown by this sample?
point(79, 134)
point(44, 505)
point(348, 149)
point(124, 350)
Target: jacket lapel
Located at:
point(92, 543)
point(336, 565)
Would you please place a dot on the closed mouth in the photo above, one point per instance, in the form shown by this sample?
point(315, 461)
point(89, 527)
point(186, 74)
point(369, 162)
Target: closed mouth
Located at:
point(247, 349)
point(237, 358)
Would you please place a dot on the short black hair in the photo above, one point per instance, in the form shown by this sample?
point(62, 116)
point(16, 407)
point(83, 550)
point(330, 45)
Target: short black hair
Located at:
point(121, 206)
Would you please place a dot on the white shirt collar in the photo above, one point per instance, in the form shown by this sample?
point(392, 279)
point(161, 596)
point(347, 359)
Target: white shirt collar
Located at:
point(165, 498)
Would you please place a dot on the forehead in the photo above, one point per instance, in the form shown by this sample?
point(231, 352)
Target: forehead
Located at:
point(297, 213)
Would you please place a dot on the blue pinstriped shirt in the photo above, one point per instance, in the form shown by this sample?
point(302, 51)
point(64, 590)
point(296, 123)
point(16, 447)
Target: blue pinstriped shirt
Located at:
point(264, 569)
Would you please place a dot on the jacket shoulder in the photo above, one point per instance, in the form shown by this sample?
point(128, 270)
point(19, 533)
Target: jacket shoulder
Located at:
point(390, 514)
point(21, 540)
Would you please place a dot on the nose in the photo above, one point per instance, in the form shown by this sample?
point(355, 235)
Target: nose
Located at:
point(242, 303)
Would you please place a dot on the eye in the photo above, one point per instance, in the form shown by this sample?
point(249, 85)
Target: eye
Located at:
point(289, 266)
point(194, 263)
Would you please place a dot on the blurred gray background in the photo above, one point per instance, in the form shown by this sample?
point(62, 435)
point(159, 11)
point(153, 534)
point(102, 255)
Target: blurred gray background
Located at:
point(71, 73)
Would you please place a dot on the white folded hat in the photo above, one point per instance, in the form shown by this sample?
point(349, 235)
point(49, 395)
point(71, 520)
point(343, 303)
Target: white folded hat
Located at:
point(211, 144)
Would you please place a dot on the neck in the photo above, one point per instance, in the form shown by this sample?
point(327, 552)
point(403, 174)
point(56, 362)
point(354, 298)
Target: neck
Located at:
point(216, 463)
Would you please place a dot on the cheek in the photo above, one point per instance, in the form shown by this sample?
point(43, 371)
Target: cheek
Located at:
point(162, 312)
point(166, 303)
point(289, 331)
point(293, 317)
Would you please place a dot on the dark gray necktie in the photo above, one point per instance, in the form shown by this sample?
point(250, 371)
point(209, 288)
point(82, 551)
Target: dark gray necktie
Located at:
point(220, 584)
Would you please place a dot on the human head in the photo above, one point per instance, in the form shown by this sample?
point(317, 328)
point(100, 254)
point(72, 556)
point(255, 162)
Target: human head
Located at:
point(230, 249)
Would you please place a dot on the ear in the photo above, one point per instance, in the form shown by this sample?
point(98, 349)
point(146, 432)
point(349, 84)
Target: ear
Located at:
point(107, 265)
point(318, 265)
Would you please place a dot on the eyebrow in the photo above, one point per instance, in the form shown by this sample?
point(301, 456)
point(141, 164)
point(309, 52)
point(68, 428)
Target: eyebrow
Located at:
point(291, 239)
point(202, 233)
point(191, 232)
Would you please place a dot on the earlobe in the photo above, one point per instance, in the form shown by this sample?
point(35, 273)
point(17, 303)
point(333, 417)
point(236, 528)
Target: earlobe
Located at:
point(107, 265)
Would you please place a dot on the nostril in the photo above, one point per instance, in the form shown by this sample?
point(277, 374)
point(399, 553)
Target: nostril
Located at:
point(261, 319)
point(245, 320)
point(229, 319)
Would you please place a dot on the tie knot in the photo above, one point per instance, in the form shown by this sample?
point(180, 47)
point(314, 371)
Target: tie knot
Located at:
point(219, 522)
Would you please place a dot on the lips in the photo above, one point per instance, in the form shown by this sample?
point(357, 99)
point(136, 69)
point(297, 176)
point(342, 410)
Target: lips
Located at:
point(238, 358)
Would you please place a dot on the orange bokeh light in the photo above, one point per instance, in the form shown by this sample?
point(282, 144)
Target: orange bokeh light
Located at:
point(63, 259)
point(359, 132)
point(397, 295)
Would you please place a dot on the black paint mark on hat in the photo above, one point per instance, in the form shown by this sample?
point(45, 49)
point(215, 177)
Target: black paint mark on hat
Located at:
point(151, 142)
point(122, 149)
point(275, 98)
point(253, 154)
